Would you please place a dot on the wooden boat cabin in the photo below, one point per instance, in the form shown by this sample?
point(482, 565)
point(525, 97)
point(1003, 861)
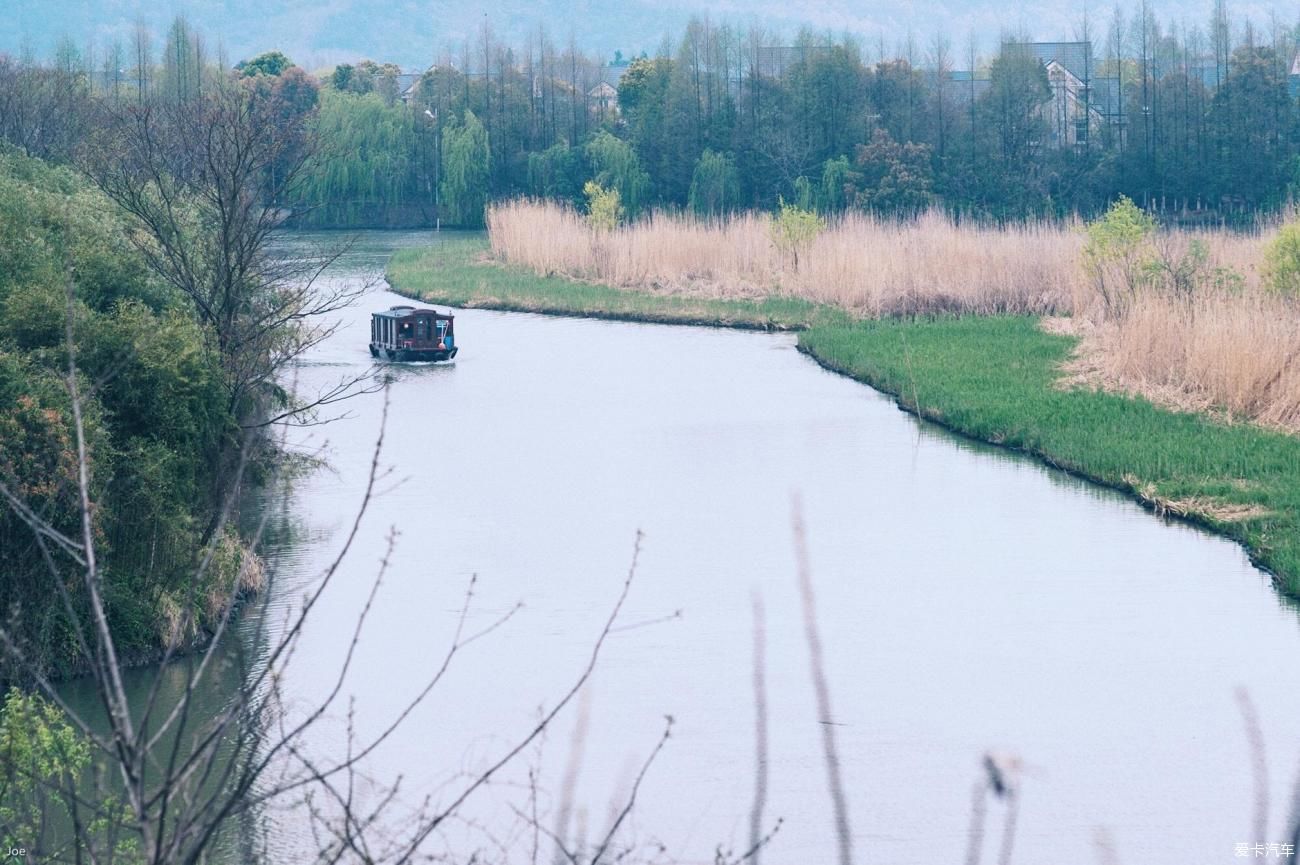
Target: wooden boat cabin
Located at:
point(404, 333)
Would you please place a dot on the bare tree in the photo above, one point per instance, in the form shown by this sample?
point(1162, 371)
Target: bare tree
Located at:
point(43, 109)
point(205, 179)
point(940, 59)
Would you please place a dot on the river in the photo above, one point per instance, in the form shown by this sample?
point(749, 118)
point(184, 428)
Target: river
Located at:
point(969, 599)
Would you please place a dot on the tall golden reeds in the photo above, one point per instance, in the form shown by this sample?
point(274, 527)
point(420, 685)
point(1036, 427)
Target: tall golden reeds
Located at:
point(1217, 340)
point(1233, 353)
point(869, 266)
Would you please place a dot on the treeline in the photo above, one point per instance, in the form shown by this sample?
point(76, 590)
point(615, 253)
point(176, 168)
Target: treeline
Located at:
point(1200, 122)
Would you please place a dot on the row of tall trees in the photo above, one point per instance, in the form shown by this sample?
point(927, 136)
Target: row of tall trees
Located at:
point(1198, 121)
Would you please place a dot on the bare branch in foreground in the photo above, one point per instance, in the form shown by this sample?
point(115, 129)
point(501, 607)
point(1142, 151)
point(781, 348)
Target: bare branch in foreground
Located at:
point(760, 729)
point(825, 718)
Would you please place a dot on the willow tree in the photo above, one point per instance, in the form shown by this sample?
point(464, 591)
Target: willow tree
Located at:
point(466, 164)
point(715, 186)
point(371, 170)
point(616, 166)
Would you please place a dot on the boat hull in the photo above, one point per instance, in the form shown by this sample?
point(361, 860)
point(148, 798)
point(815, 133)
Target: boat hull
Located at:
point(412, 355)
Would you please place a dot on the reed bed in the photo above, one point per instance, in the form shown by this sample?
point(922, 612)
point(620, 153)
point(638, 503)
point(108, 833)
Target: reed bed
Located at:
point(1215, 340)
point(1230, 354)
point(867, 266)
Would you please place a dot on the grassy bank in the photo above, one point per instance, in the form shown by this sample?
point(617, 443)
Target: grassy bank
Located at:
point(992, 378)
point(454, 273)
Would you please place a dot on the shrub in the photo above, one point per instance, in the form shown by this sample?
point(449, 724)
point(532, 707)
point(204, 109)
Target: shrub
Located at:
point(1117, 253)
point(604, 206)
point(794, 229)
point(42, 756)
point(1282, 261)
point(39, 750)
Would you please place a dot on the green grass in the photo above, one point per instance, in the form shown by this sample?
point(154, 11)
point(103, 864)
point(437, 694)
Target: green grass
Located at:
point(990, 378)
point(454, 273)
point(994, 379)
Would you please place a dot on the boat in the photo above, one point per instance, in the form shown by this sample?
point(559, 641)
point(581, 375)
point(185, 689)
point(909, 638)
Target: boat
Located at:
point(406, 334)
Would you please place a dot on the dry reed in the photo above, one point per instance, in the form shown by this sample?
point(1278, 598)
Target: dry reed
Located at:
point(1231, 354)
point(1225, 344)
point(866, 265)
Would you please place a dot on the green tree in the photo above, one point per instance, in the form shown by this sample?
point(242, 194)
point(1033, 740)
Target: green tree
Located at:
point(271, 63)
point(838, 184)
point(715, 186)
point(1118, 254)
point(615, 165)
point(892, 177)
point(556, 173)
point(1018, 88)
point(643, 101)
point(794, 229)
point(466, 169)
point(157, 419)
point(1254, 117)
point(642, 86)
point(341, 77)
point(604, 209)
point(1012, 113)
point(40, 755)
point(371, 173)
point(805, 193)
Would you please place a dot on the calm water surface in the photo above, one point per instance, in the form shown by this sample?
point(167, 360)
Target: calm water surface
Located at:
point(969, 600)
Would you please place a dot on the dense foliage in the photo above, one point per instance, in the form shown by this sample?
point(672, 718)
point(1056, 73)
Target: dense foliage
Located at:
point(375, 168)
point(156, 413)
point(1196, 126)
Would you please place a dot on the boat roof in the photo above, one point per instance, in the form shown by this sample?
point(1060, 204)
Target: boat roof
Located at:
point(402, 311)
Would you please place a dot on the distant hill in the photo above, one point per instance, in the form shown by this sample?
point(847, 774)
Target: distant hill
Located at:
point(410, 32)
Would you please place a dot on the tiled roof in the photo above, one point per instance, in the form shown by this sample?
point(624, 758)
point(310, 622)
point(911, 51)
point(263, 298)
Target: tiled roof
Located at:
point(1076, 57)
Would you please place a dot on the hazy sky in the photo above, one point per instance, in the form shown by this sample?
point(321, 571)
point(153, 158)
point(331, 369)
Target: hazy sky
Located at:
point(410, 32)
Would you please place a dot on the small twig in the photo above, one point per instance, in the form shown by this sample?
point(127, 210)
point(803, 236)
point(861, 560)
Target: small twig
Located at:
point(1258, 761)
point(760, 729)
point(839, 802)
point(631, 799)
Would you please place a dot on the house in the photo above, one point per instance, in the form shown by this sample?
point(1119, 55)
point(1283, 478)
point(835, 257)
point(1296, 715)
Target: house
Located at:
point(963, 86)
point(1082, 103)
point(407, 84)
point(603, 98)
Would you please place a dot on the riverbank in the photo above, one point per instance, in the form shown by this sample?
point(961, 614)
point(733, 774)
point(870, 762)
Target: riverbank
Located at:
point(992, 378)
point(454, 273)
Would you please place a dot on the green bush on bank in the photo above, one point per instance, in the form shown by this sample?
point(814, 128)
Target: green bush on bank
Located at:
point(41, 754)
point(1282, 260)
point(155, 409)
point(604, 207)
point(794, 228)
